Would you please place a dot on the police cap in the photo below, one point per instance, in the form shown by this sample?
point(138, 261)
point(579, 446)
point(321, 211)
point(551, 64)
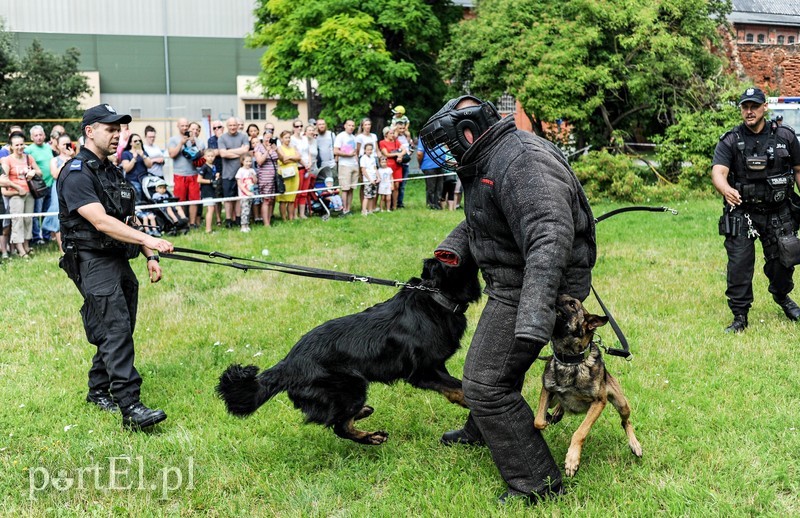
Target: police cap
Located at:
point(105, 114)
point(755, 95)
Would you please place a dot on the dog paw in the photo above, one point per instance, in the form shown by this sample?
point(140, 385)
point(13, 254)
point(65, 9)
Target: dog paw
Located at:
point(540, 424)
point(558, 413)
point(376, 438)
point(572, 463)
point(636, 448)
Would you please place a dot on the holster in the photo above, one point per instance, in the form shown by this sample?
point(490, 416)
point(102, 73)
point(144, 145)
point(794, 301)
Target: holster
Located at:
point(794, 208)
point(69, 263)
point(789, 250)
point(730, 224)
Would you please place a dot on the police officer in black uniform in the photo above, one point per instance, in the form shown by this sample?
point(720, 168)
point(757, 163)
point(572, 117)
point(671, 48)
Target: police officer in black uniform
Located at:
point(756, 166)
point(96, 212)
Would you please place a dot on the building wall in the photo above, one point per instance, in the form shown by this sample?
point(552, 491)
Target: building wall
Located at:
point(775, 68)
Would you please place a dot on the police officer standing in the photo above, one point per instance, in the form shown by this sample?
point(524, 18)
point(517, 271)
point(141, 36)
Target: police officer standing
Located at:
point(530, 230)
point(756, 165)
point(96, 210)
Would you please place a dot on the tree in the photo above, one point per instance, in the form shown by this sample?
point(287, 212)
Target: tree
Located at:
point(41, 84)
point(606, 66)
point(363, 56)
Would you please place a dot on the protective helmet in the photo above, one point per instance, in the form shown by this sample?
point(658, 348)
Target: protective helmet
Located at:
point(399, 110)
point(443, 134)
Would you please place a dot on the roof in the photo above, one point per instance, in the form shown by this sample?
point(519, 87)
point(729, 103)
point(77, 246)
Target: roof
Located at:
point(765, 12)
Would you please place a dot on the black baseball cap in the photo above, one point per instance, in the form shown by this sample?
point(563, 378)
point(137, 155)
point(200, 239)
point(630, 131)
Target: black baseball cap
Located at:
point(105, 114)
point(755, 95)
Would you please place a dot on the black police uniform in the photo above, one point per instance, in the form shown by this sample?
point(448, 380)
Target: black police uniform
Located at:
point(760, 167)
point(99, 267)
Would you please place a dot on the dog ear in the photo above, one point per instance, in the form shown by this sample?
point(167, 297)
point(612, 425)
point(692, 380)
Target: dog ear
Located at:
point(428, 268)
point(595, 321)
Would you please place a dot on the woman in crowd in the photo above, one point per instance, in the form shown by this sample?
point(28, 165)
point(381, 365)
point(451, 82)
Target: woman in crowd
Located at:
point(392, 150)
point(135, 162)
point(308, 168)
point(363, 138)
point(66, 150)
point(300, 143)
point(18, 168)
point(266, 156)
point(288, 168)
point(252, 137)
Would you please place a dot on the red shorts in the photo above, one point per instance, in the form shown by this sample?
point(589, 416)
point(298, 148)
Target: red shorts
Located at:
point(186, 188)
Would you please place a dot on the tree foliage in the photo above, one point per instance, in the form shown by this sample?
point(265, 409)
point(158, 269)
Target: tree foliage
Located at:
point(363, 56)
point(605, 66)
point(40, 84)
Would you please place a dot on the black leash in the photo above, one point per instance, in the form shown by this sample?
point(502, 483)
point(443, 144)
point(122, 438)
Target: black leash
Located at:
point(199, 256)
point(632, 209)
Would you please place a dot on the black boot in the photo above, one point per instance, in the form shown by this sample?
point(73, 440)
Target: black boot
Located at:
point(531, 498)
point(137, 416)
point(460, 437)
point(102, 400)
point(789, 307)
point(738, 325)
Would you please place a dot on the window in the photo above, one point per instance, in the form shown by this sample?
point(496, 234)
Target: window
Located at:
point(255, 111)
point(791, 40)
point(780, 40)
point(749, 38)
point(761, 38)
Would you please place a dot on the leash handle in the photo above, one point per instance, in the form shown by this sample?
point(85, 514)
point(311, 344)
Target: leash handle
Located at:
point(625, 351)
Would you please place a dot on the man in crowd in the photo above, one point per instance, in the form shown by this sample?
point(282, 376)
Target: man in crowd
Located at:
point(155, 153)
point(42, 153)
point(184, 173)
point(530, 230)
point(95, 203)
point(232, 146)
point(326, 160)
point(344, 149)
point(756, 165)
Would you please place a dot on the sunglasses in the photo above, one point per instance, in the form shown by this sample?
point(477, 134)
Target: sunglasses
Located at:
point(298, 125)
point(217, 127)
point(136, 141)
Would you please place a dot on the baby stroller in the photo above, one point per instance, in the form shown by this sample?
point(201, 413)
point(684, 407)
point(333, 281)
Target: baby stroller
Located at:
point(322, 200)
point(165, 223)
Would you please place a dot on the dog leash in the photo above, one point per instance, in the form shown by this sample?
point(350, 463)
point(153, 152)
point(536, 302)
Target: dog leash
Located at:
point(240, 263)
point(633, 208)
point(625, 352)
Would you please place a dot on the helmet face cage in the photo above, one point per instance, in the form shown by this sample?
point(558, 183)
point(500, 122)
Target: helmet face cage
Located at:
point(443, 134)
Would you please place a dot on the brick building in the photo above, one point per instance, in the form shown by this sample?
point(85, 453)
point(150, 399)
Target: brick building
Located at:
point(765, 44)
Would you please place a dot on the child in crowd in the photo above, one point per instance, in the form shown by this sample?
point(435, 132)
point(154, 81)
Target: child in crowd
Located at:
point(208, 179)
point(246, 180)
point(175, 214)
point(386, 186)
point(331, 195)
point(369, 173)
point(148, 220)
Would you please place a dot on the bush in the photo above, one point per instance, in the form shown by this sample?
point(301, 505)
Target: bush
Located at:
point(604, 175)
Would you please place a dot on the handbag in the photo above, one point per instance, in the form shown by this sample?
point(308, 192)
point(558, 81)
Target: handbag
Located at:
point(280, 185)
point(288, 171)
point(37, 187)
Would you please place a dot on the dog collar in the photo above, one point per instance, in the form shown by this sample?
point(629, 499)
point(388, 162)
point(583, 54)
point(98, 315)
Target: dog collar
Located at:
point(572, 359)
point(449, 304)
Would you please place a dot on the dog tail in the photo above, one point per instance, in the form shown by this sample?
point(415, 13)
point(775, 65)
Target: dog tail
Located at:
point(244, 390)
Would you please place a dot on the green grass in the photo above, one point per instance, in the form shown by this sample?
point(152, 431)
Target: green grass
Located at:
point(717, 415)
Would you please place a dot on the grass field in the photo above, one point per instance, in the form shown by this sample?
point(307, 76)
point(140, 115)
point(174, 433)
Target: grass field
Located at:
point(717, 415)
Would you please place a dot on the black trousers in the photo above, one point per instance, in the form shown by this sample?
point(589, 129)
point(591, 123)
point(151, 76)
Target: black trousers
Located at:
point(494, 372)
point(741, 252)
point(433, 187)
point(110, 298)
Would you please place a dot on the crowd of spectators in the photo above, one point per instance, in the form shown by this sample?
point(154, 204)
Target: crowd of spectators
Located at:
point(232, 162)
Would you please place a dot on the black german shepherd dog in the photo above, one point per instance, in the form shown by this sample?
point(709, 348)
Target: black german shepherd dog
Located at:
point(408, 337)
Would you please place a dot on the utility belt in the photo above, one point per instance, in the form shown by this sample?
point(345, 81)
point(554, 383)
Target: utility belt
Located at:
point(779, 224)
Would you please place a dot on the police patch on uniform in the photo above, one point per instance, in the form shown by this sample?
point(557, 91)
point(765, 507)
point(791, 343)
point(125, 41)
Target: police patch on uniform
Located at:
point(76, 164)
point(125, 194)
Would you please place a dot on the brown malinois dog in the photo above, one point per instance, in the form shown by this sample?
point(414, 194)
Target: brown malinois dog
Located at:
point(575, 379)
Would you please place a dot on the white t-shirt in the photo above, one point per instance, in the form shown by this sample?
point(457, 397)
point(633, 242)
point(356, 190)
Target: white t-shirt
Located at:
point(369, 169)
point(155, 152)
point(364, 139)
point(346, 142)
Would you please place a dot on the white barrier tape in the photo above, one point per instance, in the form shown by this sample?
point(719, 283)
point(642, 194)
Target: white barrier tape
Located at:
point(217, 200)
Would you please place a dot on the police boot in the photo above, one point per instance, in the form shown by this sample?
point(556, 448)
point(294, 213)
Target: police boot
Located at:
point(738, 325)
point(137, 416)
point(531, 499)
point(460, 437)
point(102, 400)
point(789, 307)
